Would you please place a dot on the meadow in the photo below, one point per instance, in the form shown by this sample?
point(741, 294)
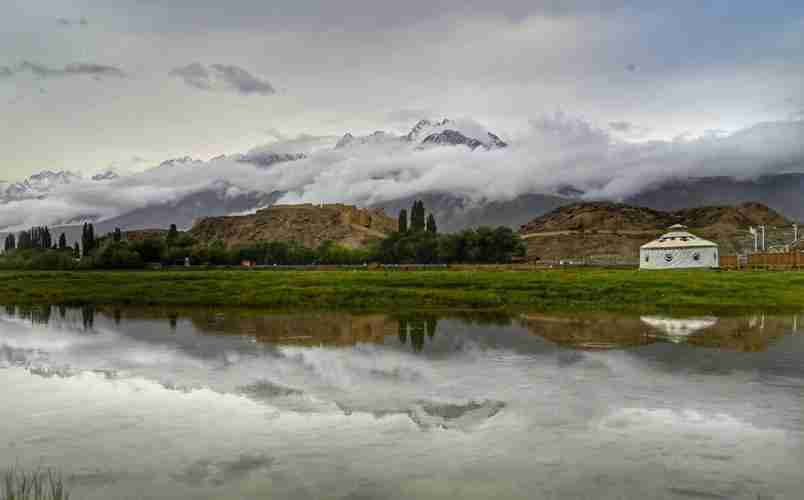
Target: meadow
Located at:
point(631, 291)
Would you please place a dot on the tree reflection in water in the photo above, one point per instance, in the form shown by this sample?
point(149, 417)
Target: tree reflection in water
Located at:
point(417, 329)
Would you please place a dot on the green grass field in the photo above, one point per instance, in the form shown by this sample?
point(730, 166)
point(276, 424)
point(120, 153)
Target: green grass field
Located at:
point(557, 290)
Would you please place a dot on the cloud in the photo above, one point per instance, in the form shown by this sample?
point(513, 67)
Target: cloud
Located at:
point(556, 151)
point(73, 22)
point(242, 81)
point(620, 126)
point(219, 77)
point(73, 69)
point(628, 129)
point(194, 75)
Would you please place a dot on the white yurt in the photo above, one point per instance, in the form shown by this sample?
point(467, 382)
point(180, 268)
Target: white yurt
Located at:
point(678, 249)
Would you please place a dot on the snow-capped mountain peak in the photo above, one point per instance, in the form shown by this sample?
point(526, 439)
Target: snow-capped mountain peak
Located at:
point(427, 133)
point(47, 178)
point(377, 137)
point(455, 133)
point(184, 160)
point(267, 158)
point(108, 175)
point(424, 128)
point(37, 185)
point(344, 141)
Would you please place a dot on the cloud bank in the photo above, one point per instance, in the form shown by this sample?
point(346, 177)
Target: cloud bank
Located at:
point(222, 77)
point(556, 152)
point(73, 69)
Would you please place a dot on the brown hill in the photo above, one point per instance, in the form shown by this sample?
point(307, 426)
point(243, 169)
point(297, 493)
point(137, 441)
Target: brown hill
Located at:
point(308, 224)
point(145, 234)
point(613, 232)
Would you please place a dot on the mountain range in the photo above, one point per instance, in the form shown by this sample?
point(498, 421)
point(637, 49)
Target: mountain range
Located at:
point(378, 170)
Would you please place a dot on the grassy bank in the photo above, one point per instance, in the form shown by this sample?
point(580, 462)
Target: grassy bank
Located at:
point(567, 290)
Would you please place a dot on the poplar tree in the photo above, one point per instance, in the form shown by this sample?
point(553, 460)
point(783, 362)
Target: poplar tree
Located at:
point(11, 243)
point(88, 239)
point(431, 224)
point(403, 221)
point(24, 241)
point(417, 217)
point(62, 242)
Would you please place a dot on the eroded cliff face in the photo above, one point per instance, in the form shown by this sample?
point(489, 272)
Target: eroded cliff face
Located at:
point(308, 224)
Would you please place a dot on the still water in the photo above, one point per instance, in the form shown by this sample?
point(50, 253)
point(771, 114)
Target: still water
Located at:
point(209, 404)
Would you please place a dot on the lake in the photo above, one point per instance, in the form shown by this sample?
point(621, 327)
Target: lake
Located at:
point(224, 404)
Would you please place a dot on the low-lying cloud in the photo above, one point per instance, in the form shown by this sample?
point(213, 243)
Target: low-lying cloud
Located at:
point(73, 22)
point(73, 69)
point(222, 77)
point(554, 153)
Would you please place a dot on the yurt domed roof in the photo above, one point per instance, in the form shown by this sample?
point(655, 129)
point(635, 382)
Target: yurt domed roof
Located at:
point(678, 237)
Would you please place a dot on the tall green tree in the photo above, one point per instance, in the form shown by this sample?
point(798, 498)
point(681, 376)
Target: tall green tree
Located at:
point(76, 251)
point(24, 241)
point(431, 224)
point(403, 221)
point(88, 242)
point(11, 243)
point(417, 217)
point(118, 235)
point(63, 242)
point(173, 235)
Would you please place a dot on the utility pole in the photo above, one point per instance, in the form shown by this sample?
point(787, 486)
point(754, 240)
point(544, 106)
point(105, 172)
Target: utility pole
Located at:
point(764, 240)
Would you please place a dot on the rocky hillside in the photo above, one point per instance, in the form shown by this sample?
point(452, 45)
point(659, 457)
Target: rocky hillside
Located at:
point(308, 224)
point(613, 232)
point(781, 192)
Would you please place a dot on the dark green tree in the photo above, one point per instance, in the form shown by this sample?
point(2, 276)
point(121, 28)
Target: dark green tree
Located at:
point(88, 243)
point(431, 224)
point(63, 242)
point(417, 217)
point(403, 221)
point(11, 243)
point(150, 249)
point(173, 235)
point(118, 235)
point(24, 241)
point(76, 250)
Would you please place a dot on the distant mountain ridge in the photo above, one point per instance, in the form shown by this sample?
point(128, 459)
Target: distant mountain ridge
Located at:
point(428, 133)
point(37, 185)
point(199, 188)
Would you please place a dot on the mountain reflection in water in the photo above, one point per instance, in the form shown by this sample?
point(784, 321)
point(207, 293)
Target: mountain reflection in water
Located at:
point(229, 403)
point(582, 331)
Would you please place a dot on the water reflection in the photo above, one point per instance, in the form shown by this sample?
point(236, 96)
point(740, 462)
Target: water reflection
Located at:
point(416, 329)
point(209, 403)
point(602, 331)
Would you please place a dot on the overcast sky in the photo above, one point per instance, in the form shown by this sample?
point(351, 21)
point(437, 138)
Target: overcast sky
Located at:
point(87, 85)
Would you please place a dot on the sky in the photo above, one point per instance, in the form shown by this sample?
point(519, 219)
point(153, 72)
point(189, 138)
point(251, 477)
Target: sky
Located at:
point(88, 85)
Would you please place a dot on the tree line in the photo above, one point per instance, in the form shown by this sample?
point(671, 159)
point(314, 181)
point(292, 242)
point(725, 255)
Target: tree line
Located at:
point(416, 241)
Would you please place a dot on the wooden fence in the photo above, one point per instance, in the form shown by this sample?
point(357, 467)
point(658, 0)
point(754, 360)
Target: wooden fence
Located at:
point(790, 260)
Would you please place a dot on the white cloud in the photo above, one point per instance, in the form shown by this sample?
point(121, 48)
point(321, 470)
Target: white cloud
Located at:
point(554, 152)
